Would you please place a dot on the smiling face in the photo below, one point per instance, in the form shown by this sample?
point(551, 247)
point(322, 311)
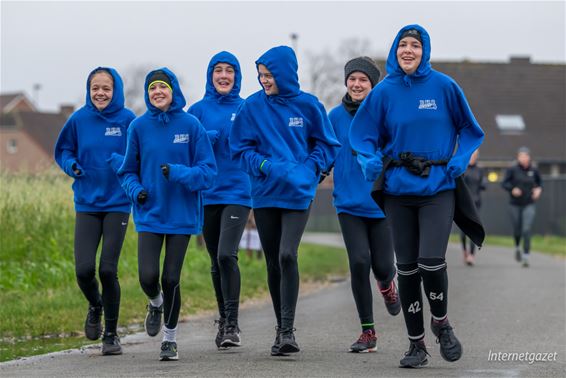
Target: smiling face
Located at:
point(358, 86)
point(101, 90)
point(223, 78)
point(160, 95)
point(409, 54)
point(267, 80)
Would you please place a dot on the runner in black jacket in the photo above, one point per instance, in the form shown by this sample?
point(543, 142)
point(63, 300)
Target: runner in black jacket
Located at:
point(524, 185)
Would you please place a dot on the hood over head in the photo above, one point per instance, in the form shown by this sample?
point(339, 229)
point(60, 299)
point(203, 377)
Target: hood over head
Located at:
point(117, 102)
point(223, 57)
point(424, 68)
point(178, 102)
point(281, 61)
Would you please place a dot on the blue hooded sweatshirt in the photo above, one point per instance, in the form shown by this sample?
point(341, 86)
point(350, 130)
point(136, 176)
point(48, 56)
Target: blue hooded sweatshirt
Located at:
point(216, 112)
point(425, 113)
point(283, 141)
point(173, 205)
point(87, 140)
point(351, 189)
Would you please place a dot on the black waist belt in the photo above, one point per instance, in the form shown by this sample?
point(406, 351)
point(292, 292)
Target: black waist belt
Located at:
point(465, 212)
point(415, 164)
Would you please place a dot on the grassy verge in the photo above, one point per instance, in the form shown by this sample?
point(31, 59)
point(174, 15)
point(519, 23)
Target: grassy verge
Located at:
point(42, 307)
point(551, 245)
point(45, 319)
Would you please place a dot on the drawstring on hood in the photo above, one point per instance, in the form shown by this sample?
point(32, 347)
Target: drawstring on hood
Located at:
point(113, 113)
point(211, 93)
point(178, 102)
point(281, 61)
point(394, 70)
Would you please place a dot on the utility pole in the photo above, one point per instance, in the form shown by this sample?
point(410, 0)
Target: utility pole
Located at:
point(36, 89)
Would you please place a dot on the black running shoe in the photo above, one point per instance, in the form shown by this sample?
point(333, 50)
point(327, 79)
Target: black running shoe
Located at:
point(391, 298)
point(287, 342)
point(111, 344)
point(152, 322)
point(93, 324)
point(450, 347)
point(367, 342)
point(168, 351)
point(275, 347)
point(231, 336)
point(518, 255)
point(220, 334)
point(415, 357)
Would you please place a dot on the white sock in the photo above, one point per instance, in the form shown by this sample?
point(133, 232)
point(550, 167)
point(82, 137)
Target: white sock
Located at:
point(169, 334)
point(157, 301)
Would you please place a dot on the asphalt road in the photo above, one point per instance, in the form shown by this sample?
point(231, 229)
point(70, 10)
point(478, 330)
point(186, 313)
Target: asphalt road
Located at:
point(495, 307)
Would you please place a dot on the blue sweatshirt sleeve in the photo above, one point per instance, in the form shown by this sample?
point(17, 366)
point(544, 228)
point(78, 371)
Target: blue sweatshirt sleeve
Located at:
point(470, 134)
point(243, 145)
point(115, 161)
point(326, 145)
point(201, 175)
point(66, 149)
point(128, 173)
point(365, 137)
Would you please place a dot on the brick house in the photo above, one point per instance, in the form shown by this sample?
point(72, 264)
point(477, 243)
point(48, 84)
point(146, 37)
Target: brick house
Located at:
point(27, 137)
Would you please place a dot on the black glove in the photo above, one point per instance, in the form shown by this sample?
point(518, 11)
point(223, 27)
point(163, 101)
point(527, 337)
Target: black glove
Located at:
point(325, 174)
point(165, 170)
point(142, 197)
point(76, 169)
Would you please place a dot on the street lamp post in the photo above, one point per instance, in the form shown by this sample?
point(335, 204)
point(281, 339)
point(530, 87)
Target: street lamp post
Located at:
point(36, 89)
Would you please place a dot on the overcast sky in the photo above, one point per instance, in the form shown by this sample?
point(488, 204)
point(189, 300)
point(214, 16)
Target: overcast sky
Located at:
point(56, 44)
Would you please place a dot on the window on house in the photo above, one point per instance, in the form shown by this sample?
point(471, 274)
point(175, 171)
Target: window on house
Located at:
point(12, 146)
point(510, 123)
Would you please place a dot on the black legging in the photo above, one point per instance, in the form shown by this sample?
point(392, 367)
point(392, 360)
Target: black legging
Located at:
point(369, 247)
point(421, 227)
point(149, 252)
point(522, 218)
point(222, 231)
point(89, 229)
point(280, 232)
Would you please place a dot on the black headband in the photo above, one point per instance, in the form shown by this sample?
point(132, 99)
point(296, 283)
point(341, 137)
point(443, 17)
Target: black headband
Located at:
point(412, 33)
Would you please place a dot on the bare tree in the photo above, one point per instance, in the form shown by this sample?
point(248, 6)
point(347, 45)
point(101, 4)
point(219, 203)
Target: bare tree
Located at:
point(325, 73)
point(134, 78)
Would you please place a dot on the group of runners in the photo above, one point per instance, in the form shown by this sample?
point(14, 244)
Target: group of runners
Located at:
point(402, 142)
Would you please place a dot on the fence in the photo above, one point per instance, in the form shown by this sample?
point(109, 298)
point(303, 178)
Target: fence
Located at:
point(550, 217)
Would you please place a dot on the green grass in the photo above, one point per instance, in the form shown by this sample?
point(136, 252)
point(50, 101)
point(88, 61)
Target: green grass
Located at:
point(548, 244)
point(38, 291)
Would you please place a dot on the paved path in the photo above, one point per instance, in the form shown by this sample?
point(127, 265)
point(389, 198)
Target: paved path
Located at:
point(496, 306)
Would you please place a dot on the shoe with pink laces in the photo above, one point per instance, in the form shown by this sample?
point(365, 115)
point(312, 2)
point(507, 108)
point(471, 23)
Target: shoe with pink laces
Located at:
point(391, 298)
point(366, 343)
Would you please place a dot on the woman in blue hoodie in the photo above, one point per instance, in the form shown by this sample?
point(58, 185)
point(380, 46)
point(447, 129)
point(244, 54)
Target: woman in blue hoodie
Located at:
point(416, 116)
point(227, 203)
point(283, 139)
point(168, 162)
point(83, 148)
point(364, 227)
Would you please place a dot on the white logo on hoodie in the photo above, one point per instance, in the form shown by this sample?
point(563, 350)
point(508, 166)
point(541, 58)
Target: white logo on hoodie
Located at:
point(427, 104)
point(181, 138)
point(113, 131)
point(296, 122)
